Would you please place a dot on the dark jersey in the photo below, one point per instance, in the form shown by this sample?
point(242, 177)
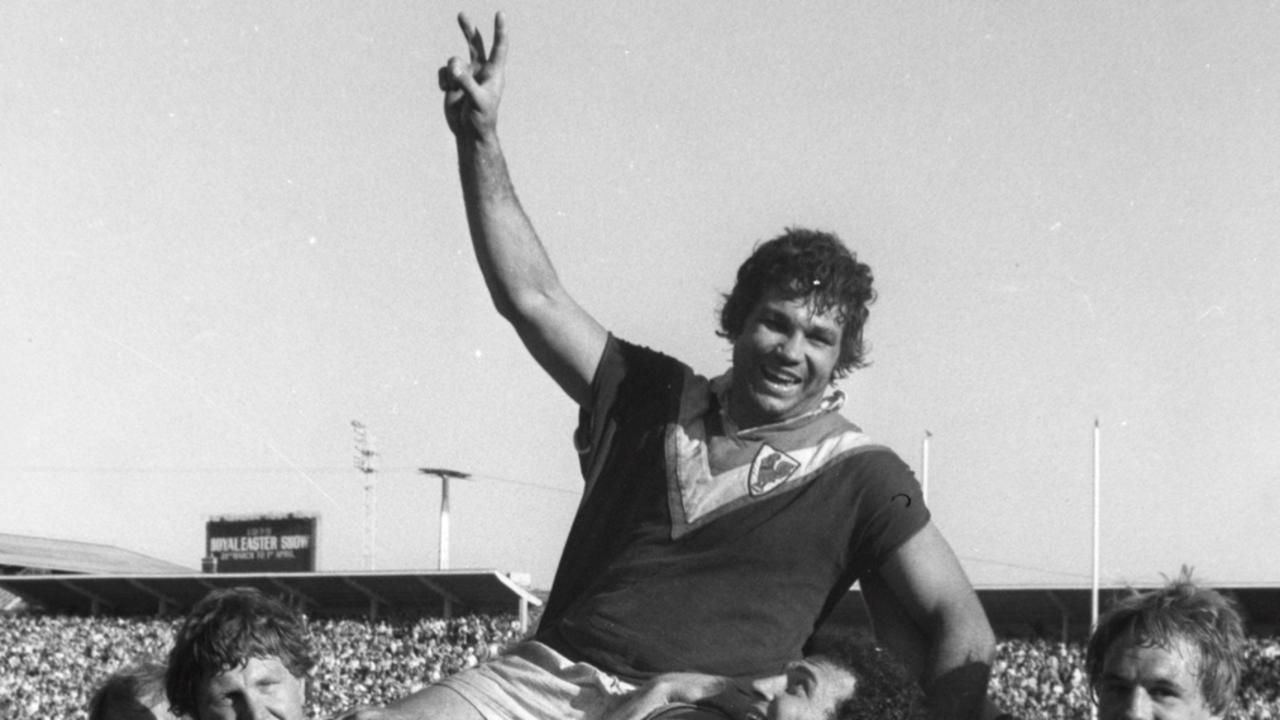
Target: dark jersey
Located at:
point(700, 547)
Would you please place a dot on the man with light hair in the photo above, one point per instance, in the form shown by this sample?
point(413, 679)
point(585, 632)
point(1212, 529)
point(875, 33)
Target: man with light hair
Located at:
point(1168, 654)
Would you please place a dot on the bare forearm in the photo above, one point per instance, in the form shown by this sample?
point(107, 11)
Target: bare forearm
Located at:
point(565, 340)
point(515, 266)
point(956, 669)
point(925, 611)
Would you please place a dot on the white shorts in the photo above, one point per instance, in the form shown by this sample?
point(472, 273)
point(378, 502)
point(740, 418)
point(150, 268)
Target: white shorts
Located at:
point(533, 682)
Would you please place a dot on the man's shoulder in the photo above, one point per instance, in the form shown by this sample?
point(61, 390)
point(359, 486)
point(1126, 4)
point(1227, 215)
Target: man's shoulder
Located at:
point(641, 359)
point(639, 352)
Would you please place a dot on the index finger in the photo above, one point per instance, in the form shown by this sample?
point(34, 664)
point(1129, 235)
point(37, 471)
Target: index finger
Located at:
point(475, 43)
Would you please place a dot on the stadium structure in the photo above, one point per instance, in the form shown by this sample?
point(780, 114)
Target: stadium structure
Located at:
point(82, 578)
point(71, 577)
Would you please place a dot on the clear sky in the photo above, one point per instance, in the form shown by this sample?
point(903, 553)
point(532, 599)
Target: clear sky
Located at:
point(231, 228)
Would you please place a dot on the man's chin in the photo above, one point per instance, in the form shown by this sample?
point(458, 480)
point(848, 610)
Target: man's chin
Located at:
point(765, 411)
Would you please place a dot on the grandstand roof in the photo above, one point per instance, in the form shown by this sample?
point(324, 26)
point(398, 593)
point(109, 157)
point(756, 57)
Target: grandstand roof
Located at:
point(442, 592)
point(69, 556)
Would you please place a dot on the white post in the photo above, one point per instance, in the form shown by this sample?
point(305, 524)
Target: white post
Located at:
point(444, 476)
point(370, 521)
point(924, 466)
point(444, 522)
point(1097, 505)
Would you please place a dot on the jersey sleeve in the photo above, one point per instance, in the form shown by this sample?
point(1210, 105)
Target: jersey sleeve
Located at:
point(632, 384)
point(892, 508)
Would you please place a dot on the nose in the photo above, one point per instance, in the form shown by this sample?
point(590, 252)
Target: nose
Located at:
point(790, 348)
point(1139, 705)
point(253, 708)
point(768, 687)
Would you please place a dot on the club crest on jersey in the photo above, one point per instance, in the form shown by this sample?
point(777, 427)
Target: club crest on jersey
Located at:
point(770, 469)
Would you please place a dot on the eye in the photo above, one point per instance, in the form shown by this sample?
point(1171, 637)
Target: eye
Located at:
point(799, 684)
point(822, 339)
point(772, 322)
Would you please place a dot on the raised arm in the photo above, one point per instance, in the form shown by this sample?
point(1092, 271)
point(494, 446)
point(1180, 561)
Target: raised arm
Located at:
point(925, 611)
point(561, 336)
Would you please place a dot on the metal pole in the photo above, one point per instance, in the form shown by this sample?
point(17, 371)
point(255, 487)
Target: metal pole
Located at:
point(444, 476)
point(444, 523)
point(370, 521)
point(1097, 505)
point(924, 466)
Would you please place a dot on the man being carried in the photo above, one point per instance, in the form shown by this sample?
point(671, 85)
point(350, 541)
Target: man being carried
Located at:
point(724, 518)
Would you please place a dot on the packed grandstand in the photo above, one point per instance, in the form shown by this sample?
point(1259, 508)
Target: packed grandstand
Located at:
point(50, 664)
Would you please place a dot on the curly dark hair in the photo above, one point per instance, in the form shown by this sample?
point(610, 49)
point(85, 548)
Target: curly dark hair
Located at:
point(885, 690)
point(223, 631)
point(803, 263)
point(1180, 612)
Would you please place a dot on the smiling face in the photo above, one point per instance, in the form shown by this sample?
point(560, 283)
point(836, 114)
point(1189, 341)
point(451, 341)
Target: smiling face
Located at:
point(783, 360)
point(810, 689)
point(260, 688)
point(1149, 682)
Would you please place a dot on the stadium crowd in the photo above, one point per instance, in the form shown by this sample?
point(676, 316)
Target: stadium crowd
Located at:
point(50, 664)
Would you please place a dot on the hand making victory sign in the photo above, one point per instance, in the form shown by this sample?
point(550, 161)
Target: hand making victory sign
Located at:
point(472, 90)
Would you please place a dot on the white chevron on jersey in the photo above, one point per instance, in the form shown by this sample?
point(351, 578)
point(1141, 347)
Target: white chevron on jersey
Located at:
point(766, 460)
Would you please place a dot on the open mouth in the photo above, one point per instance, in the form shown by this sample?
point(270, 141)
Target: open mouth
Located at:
point(780, 379)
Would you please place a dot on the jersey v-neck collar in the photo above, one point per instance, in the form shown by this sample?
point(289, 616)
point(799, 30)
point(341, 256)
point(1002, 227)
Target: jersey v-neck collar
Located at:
point(714, 467)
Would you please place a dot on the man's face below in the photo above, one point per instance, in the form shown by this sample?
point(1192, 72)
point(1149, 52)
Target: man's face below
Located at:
point(810, 689)
point(152, 708)
point(783, 360)
point(260, 688)
point(160, 709)
point(1149, 682)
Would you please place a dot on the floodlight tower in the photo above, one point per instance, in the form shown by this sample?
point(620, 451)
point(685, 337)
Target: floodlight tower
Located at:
point(364, 462)
point(444, 476)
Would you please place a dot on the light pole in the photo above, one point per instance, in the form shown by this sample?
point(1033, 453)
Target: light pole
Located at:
point(365, 462)
point(444, 475)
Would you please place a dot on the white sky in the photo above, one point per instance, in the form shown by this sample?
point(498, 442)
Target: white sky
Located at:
point(233, 227)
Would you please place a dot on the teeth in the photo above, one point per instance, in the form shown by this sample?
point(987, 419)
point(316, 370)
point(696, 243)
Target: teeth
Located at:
point(777, 377)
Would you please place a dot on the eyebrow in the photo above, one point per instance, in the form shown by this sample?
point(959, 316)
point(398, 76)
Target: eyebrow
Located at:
point(1162, 683)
